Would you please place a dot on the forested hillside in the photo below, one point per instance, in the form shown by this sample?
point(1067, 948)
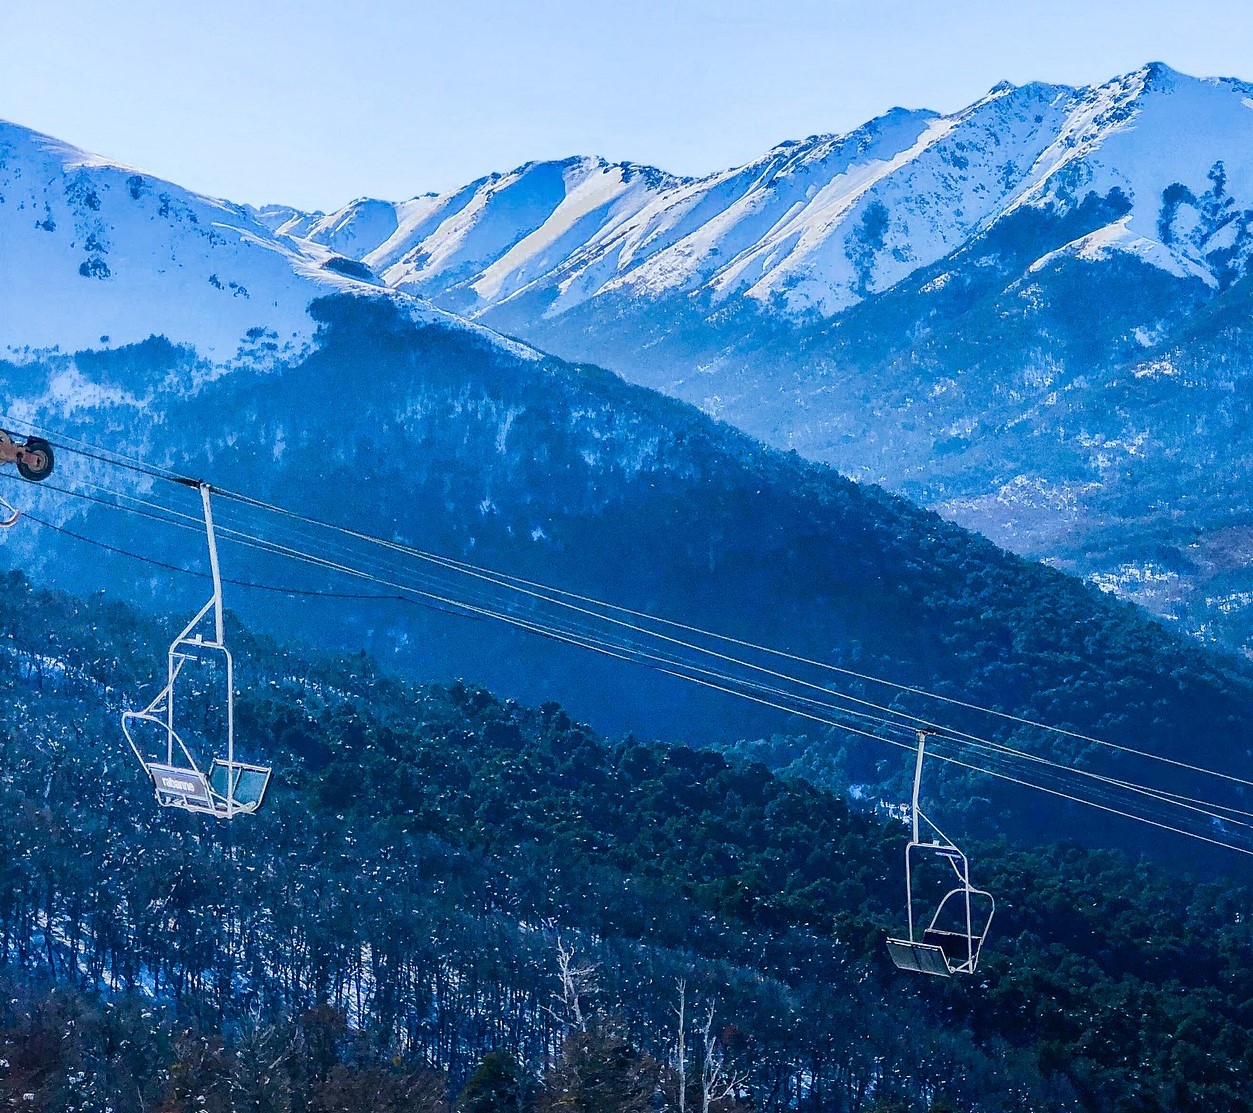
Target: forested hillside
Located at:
point(1025, 315)
point(395, 914)
point(566, 474)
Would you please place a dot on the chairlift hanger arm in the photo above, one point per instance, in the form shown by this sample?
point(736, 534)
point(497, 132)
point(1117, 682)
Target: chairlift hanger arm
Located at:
point(227, 787)
point(948, 945)
point(214, 568)
point(922, 746)
point(917, 813)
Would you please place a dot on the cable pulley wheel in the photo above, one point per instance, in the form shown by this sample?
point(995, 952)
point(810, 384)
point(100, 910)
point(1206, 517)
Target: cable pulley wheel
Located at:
point(35, 461)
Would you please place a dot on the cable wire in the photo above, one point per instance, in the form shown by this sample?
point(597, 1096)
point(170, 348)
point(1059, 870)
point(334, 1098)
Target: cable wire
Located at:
point(821, 710)
point(829, 714)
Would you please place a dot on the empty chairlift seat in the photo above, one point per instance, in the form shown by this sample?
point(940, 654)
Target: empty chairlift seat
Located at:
point(952, 939)
point(230, 787)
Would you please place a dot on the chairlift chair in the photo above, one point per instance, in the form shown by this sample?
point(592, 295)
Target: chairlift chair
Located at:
point(953, 938)
point(228, 787)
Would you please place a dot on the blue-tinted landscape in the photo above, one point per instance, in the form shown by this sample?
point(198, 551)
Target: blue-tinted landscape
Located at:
point(619, 567)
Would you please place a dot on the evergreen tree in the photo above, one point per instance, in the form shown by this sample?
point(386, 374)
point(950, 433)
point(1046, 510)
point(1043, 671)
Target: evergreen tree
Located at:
point(497, 1086)
point(599, 1072)
point(200, 1077)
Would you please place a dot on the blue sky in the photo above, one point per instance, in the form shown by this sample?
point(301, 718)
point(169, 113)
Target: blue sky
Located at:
point(313, 103)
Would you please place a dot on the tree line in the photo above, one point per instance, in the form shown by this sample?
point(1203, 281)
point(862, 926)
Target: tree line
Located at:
point(445, 886)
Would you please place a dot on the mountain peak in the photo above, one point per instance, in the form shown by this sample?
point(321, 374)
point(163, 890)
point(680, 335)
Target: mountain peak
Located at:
point(94, 248)
point(1161, 77)
point(1158, 77)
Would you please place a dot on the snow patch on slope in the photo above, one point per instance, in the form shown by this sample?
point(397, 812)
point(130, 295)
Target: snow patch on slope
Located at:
point(1178, 148)
point(1117, 238)
point(90, 249)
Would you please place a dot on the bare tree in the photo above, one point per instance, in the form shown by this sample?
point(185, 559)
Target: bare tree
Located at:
point(718, 1080)
point(260, 1078)
point(578, 982)
point(680, 1045)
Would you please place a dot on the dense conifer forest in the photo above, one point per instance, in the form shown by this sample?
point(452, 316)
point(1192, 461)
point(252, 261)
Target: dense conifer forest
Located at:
point(567, 475)
point(453, 902)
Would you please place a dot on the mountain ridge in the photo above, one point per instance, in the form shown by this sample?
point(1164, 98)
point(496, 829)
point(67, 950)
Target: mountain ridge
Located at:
point(980, 310)
point(96, 253)
point(816, 225)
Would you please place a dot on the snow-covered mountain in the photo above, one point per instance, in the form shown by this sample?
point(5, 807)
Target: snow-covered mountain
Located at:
point(488, 240)
point(818, 225)
point(1029, 314)
point(97, 254)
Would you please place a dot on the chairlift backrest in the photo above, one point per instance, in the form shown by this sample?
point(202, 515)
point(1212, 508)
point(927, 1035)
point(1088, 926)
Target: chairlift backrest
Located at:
point(920, 958)
point(178, 786)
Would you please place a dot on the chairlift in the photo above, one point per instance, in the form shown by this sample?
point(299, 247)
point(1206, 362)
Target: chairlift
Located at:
point(953, 938)
point(227, 787)
point(34, 458)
